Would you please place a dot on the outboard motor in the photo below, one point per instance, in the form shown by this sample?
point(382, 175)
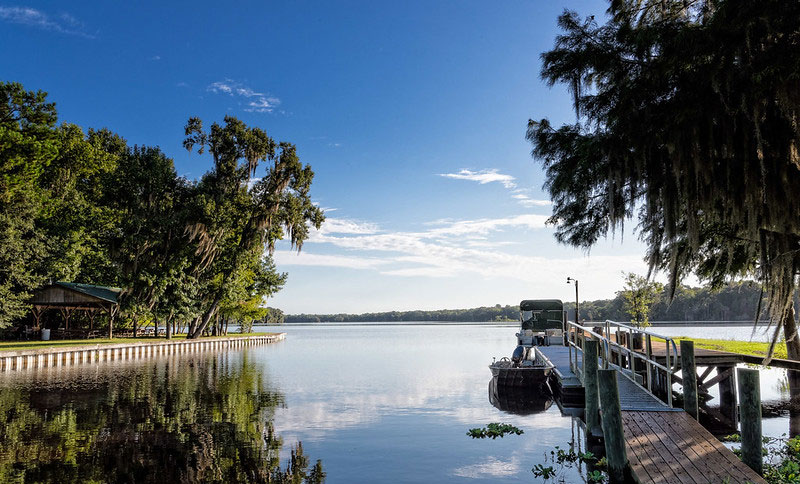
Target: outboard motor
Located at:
point(518, 356)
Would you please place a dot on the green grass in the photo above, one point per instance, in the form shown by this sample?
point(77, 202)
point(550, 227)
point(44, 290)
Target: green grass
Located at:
point(34, 345)
point(743, 347)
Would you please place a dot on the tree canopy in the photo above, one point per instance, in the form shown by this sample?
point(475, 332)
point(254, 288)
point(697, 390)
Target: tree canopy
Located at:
point(687, 121)
point(85, 206)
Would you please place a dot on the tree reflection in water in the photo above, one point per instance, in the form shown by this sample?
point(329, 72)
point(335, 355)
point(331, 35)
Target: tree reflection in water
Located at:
point(180, 421)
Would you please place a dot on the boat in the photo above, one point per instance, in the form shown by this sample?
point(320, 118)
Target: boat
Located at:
point(528, 367)
point(541, 324)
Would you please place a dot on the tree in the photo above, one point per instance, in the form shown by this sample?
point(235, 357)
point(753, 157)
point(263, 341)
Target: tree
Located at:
point(28, 144)
point(688, 121)
point(640, 294)
point(238, 216)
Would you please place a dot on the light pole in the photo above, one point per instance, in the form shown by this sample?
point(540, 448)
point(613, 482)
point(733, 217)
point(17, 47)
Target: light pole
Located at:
point(577, 304)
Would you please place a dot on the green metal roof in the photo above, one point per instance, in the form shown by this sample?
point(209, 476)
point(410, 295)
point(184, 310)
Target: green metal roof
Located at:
point(541, 305)
point(106, 293)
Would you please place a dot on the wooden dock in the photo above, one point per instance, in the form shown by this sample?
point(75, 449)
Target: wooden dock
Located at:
point(671, 447)
point(663, 444)
point(569, 388)
point(706, 357)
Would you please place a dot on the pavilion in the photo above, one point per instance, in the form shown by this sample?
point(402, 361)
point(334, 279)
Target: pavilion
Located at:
point(68, 297)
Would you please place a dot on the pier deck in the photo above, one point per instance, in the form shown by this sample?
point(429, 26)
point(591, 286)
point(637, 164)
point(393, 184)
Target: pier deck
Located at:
point(663, 444)
point(672, 447)
point(570, 388)
point(706, 357)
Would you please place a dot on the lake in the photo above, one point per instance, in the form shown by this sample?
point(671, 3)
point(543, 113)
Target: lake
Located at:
point(387, 403)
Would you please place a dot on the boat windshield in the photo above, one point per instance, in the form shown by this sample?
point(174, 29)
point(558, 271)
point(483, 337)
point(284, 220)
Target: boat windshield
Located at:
point(527, 318)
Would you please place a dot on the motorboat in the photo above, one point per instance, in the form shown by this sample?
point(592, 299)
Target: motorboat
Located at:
point(527, 367)
point(541, 324)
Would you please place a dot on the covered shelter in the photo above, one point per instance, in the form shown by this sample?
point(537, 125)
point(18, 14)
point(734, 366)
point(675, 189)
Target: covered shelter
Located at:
point(68, 297)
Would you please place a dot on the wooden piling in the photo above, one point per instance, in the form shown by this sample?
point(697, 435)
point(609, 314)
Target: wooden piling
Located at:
point(689, 374)
point(592, 399)
point(727, 394)
point(750, 411)
point(613, 434)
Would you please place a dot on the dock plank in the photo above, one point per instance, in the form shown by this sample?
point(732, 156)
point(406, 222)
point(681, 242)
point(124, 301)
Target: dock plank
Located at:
point(658, 461)
point(674, 442)
point(665, 445)
point(694, 468)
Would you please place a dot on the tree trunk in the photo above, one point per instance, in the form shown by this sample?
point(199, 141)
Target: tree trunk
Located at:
point(206, 318)
point(793, 351)
point(190, 331)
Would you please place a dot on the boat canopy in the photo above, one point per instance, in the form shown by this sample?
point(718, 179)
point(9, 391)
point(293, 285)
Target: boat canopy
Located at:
point(541, 314)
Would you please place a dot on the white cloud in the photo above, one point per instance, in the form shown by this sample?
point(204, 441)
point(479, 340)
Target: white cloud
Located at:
point(257, 102)
point(291, 258)
point(530, 202)
point(509, 182)
point(346, 226)
point(65, 23)
point(451, 248)
point(483, 177)
point(484, 226)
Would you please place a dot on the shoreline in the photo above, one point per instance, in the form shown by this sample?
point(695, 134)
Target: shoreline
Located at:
point(50, 356)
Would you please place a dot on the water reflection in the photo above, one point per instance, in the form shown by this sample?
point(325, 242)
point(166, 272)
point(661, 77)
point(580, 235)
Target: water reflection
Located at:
point(200, 419)
point(518, 400)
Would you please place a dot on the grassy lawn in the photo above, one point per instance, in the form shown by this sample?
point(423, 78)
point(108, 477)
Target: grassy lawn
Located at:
point(743, 347)
point(33, 345)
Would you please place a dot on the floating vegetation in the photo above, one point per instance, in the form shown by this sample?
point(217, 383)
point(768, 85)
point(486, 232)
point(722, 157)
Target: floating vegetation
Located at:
point(494, 430)
point(561, 460)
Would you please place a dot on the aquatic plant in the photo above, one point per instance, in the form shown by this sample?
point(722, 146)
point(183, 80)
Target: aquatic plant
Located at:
point(494, 430)
point(568, 459)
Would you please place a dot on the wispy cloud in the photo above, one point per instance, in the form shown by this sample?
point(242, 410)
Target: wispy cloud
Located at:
point(447, 248)
point(509, 182)
point(154, 58)
point(287, 257)
point(483, 177)
point(257, 102)
point(345, 226)
point(64, 23)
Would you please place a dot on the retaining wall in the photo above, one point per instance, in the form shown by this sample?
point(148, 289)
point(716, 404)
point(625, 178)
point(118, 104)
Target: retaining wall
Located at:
point(90, 354)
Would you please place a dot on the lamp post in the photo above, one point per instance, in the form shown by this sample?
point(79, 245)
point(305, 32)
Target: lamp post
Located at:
point(577, 304)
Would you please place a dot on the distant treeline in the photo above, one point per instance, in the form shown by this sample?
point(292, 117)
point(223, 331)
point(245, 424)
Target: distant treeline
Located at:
point(493, 313)
point(735, 302)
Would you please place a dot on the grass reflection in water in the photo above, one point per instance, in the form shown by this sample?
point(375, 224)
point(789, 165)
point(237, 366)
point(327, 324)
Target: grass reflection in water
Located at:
point(185, 420)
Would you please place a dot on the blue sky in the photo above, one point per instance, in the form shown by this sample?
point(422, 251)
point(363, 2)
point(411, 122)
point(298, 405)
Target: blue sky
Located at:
point(412, 115)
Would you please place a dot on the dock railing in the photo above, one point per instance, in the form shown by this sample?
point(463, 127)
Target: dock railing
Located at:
point(630, 351)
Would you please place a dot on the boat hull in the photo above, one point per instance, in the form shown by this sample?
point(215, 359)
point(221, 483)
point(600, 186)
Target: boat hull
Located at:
point(521, 377)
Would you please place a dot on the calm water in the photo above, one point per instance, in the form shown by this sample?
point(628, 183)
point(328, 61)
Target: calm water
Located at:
point(373, 404)
point(388, 403)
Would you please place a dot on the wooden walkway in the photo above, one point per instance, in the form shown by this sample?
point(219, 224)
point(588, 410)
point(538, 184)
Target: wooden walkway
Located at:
point(664, 445)
point(671, 447)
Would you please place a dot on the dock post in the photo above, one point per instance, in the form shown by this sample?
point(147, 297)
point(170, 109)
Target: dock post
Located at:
point(750, 411)
point(727, 394)
point(613, 435)
point(689, 374)
point(592, 399)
